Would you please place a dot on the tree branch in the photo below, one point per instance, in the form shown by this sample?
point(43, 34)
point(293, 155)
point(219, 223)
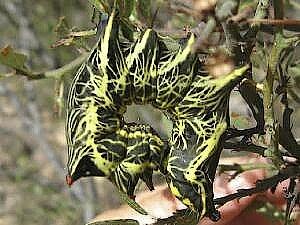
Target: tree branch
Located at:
point(245, 147)
point(261, 186)
point(56, 73)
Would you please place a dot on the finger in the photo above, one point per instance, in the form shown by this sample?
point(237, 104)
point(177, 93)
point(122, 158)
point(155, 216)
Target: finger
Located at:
point(159, 203)
point(277, 197)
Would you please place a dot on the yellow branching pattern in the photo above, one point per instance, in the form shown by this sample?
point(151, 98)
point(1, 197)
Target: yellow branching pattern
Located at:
point(152, 70)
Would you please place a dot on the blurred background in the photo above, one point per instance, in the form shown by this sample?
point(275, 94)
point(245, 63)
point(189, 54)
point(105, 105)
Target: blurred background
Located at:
point(32, 141)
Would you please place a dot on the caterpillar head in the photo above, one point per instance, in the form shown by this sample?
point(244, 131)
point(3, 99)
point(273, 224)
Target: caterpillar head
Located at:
point(84, 168)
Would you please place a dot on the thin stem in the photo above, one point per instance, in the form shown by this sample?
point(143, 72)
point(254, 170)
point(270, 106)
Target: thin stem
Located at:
point(56, 73)
point(240, 168)
point(245, 147)
point(261, 186)
point(275, 21)
point(271, 125)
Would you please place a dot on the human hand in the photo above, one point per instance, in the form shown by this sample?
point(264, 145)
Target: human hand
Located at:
point(160, 203)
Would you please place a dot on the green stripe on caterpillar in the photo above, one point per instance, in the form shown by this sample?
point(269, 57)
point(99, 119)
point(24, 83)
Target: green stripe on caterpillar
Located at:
point(119, 73)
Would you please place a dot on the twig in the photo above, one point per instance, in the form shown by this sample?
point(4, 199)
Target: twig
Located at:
point(56, 73)
point(233, 133)
point(260, 13)
point(271, 126)
point(275, 21)
point(245, 147)
point(240, 168)
point(261, 186)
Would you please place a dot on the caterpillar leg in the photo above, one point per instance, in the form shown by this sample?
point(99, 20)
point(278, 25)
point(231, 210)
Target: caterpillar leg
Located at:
point(126, 178)
point(146, 176)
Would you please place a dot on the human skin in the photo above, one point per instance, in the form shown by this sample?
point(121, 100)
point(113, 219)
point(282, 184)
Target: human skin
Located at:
point(160, 203)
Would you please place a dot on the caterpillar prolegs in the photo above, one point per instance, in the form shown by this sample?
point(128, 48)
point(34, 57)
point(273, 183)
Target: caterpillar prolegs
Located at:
point(152, 70)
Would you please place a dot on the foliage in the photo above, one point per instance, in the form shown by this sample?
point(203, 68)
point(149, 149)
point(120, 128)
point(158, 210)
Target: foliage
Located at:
point(12, 59)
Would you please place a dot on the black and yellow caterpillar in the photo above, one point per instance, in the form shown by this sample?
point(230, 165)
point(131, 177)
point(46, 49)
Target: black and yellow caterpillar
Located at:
point(152, 70)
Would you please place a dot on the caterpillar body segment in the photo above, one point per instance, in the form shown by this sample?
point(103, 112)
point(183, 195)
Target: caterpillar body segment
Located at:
point(176, 70)
point(94, 106)
point(157, 75)
point(192, 145)
point(207, 95)
point(143, 150)
point(200, 121)
point(142, 65)
point(195, 139)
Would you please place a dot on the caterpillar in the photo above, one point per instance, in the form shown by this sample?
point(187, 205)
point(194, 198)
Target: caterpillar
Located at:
point(154, 70)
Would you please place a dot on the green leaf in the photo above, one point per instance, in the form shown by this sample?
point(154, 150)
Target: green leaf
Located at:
point(133, 204)
point(115, 222)
point(10, 58)
point(69, 36)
